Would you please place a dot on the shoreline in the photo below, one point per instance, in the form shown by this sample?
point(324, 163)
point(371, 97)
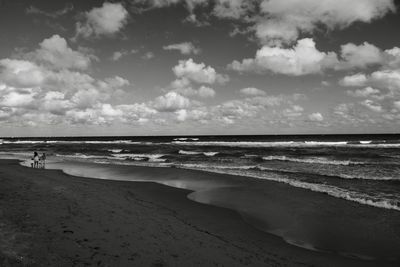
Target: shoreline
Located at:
point(49, 217)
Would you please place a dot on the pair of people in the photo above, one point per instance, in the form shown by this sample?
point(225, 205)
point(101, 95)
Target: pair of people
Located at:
point(39, 161)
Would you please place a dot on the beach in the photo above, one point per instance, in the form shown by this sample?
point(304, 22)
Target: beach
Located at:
point(49, 218)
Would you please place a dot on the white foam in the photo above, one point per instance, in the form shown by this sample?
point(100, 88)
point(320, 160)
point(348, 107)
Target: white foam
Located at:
point(286, 144)
point(314, 160)
point(184, 152)
point(115, 150)
point(80, 156)
point(150, 157)
point(208, 154)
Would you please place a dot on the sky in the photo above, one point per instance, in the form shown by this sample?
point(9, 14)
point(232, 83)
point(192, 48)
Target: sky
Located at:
point(197, 67)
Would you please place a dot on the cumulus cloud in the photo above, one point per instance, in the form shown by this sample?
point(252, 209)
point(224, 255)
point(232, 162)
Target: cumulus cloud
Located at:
point(206, 92)
point(170, 102)
point(371, 105)
point(16, 99)
point(358, 79)
point(316, 117)
point(55, 52)
point(251, 91)
point(233, 9)
point(21, 73)
point(365, 92)
point(197, 72)
point(360, 56)
point(106, 20)
point(40, 87)
point(277, 22)
point(283, 21)
point(303, 58)
point(185, 48)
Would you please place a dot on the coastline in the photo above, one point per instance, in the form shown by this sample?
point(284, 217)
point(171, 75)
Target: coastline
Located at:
point(50, 218)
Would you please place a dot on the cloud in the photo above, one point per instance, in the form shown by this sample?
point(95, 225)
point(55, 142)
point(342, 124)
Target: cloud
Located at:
point(117, 55)
point(186, 48)
point(148, 55)
point(251, 91)
point(316, 117)
point(16, 99)
point(382, 79)
point(54, 14)
point(371, 105)
point(283, 21)
point(197, 72)
point(206, 92)
point(170, 102)
point(365, 92)
point(360, 56)
point(21, 73)
point(277, 22)
point(49, 86)
point(358, 79)
point(293, 112)
point(55, 52)
point(233, 9)
point(106, 20)
point(302, 59)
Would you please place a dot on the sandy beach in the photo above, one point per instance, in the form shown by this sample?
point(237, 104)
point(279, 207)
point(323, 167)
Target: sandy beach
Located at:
point(48, 218)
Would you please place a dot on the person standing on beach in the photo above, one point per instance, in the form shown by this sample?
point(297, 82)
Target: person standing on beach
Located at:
point(35, 160)
point(43, 161)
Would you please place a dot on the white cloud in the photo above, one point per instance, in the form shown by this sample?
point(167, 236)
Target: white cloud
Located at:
point(206, 92)
point(233, 9)
point(197, 72)
point(277, 22)
point(21, 73)
point(293, 111)
point(371, 105)
point(365, 92)
point(186, 48)
point(15, 99)
point(283, 21)
point(105, 20)
point(251, 91)
point(170, 102)
point(117, 55)
point(360, 56)
point(55, 51)
point(358, 79)
point(302, 59)
point(316, 117)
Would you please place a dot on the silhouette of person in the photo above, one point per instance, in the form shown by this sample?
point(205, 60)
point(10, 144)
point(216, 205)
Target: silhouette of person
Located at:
point(35, 160)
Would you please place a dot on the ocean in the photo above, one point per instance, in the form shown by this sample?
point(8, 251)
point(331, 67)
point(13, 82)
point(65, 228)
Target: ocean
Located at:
point(358, 171)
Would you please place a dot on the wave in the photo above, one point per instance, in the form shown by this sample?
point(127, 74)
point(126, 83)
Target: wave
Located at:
point(312, 160)
point(185, 139)
point(361, 144)
point(115, 150)
point(321, 188)
point(140, 157)
point(81, 156)
point(208, 154)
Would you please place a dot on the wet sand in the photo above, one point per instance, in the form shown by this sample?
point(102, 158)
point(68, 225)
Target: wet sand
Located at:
point(48, 218)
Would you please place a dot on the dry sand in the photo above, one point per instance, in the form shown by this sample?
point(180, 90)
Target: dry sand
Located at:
point(48, 218)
